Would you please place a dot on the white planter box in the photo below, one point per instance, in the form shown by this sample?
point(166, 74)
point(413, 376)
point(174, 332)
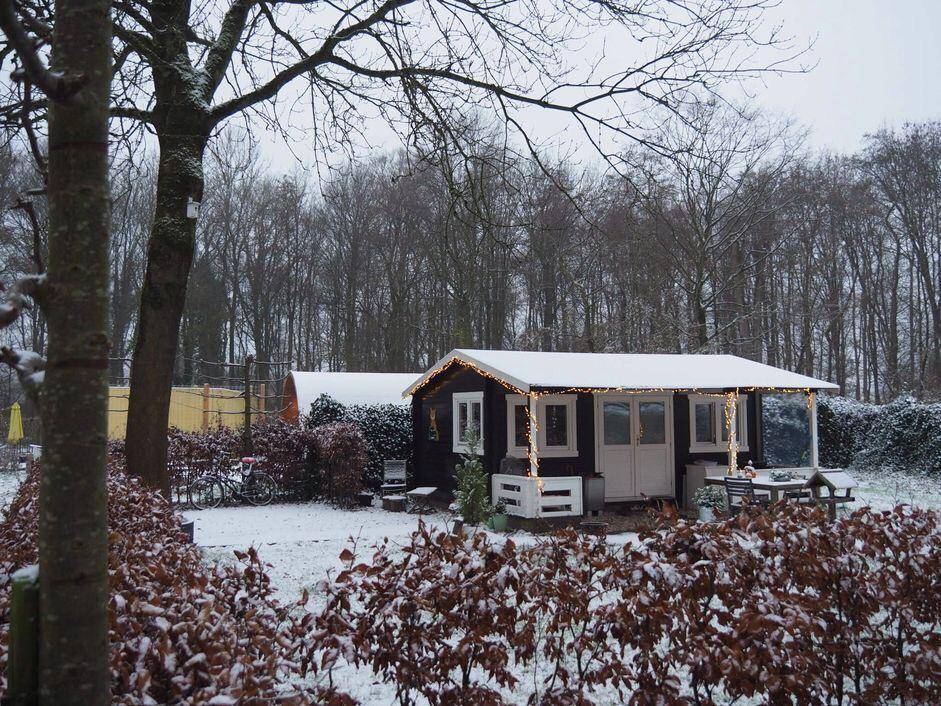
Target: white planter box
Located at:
point(525, 496)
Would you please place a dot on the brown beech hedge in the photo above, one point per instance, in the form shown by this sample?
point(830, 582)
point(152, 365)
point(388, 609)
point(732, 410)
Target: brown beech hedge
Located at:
point(776, 608)
point(182, 631)
point(780, 608)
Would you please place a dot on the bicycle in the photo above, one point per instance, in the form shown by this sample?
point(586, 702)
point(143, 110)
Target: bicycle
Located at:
point(253, 486)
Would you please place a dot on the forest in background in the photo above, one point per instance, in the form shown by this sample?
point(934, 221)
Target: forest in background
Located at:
point(735, 241)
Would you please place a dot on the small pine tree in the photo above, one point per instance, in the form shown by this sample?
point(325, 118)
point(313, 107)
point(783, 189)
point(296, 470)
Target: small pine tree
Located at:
point(325, 410)
point(472, 494)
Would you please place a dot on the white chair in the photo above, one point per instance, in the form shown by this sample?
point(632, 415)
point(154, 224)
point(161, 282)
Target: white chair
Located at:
point(393, 477)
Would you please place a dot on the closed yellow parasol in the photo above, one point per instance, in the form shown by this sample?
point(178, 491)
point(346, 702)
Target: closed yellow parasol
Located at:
point(15, 434)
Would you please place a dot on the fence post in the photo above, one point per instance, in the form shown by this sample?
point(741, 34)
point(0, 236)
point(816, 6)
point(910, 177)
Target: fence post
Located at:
point(206, 406)
point(23, 664)
point(262, 393)
point(247, 430)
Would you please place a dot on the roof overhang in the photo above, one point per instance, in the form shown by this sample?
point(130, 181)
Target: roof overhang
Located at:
point(459, 357)
point(514, 380)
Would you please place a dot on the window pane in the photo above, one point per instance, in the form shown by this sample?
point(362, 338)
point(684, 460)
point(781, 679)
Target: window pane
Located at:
point(617, 423)
point(705, 423)
point(520, 425)
point(652, 423)
point(475, 418)
point(557, 425)
point(462, 419)
point(739, 421)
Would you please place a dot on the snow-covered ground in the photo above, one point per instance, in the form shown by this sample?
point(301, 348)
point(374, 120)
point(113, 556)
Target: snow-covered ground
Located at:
point(9, 483)
point(887, 488)
point(301, 541)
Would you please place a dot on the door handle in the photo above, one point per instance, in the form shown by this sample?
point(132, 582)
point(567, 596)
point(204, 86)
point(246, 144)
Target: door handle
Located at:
point(640, 433)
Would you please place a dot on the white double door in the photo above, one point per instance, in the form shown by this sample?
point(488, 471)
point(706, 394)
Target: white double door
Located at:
point(634, 445)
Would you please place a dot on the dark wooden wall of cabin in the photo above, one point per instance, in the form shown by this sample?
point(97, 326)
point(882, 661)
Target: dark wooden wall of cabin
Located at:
point(433, 461)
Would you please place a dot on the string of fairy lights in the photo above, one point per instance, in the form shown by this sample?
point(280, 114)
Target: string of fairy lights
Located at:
point(731, 398)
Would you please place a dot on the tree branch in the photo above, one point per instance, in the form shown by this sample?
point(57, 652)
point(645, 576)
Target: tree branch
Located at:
point(220, 53)
point(59, 87)
point(323, 55)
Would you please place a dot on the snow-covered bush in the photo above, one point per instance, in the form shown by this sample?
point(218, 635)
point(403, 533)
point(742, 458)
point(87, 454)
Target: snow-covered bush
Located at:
point(842, 426)
point(181, 632)
point(903, 434)
point(785, 429)
point(340, 455)
point(438, 618)
point(325, 410)
point(387, 429)
point(776, 607)
point(710, 496)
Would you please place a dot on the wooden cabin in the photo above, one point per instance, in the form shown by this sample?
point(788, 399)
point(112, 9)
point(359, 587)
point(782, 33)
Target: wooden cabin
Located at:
point(636, 420)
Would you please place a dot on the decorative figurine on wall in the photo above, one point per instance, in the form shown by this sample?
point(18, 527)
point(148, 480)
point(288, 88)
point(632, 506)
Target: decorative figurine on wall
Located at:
point(433, 425)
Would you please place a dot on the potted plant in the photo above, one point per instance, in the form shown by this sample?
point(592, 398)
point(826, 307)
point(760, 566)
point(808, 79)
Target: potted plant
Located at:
point(498, 517)
point(708, 499)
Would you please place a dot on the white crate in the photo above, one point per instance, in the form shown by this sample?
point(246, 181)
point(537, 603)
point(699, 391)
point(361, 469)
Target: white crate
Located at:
point(526, 496)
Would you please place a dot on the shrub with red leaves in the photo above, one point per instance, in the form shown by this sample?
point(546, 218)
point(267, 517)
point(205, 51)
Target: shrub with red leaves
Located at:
point(181, 632)
point(783, 607)
point(340, 452)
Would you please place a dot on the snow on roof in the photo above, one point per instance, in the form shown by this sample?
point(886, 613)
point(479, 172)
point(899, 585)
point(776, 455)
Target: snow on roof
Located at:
point(350, 388)
point(627, 371)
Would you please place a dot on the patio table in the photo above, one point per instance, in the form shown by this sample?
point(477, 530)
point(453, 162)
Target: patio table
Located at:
point(776, 487)
point(764, 483)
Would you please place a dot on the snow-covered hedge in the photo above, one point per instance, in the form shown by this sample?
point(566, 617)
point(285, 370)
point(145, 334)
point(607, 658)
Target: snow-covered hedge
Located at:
point(786, 429)
point(387, 429)
point(182, 632)
point(779, 607)
point(902, 435)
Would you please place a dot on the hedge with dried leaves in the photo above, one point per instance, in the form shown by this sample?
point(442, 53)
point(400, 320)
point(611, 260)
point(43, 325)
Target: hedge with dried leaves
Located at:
point(776, 608)
point(181, 631)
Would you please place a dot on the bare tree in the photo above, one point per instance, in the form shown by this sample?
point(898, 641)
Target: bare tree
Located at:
point(183, 69)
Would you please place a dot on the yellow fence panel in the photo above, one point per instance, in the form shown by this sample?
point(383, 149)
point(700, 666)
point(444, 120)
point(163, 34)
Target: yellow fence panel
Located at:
point(191, 409)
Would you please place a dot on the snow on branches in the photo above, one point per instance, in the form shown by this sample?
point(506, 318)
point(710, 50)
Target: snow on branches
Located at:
point(29, 366)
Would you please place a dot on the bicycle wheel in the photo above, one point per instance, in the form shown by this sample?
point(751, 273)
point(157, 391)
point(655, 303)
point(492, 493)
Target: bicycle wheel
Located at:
point(206, 493)
point(258, 488)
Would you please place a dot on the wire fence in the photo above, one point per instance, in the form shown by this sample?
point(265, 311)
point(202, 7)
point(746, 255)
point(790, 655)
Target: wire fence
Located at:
point(211, 393)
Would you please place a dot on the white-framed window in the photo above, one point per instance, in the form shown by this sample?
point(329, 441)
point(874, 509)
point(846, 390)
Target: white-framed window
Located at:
point(555, 418)
point(468, 416)
point(707, 430)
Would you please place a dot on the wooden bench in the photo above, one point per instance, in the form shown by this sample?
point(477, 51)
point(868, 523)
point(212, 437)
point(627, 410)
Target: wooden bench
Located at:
point(421, 498)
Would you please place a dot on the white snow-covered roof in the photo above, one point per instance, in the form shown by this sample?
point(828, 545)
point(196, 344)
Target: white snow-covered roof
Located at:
point(627, 371)
point(350, 388)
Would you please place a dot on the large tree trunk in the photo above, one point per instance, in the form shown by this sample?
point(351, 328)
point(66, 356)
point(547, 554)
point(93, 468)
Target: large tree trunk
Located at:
point(169, 258)
point(73, 520)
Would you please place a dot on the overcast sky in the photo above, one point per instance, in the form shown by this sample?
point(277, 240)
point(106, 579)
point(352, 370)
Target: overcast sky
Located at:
point(877, 64)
